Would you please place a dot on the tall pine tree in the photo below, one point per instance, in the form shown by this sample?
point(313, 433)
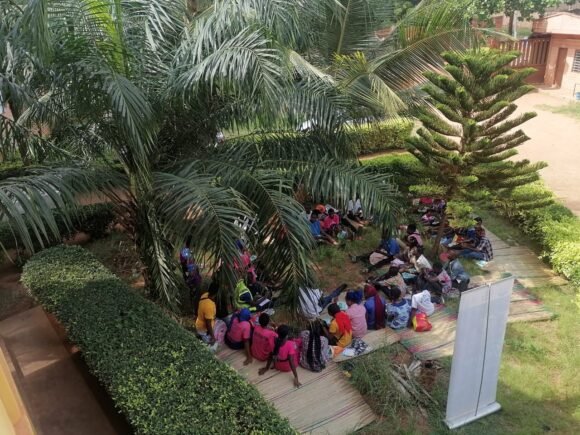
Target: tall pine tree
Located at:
point(468, 137)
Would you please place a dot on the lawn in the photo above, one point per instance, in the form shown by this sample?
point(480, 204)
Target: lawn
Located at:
point(571, 109)
point(538, 387)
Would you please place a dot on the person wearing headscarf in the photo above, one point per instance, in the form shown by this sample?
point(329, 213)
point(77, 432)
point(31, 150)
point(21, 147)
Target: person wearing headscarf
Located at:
point(356, 313)
point(339, 333)
point(375, 308)
point(240, 332)
point(285, 354)
point(315, 352)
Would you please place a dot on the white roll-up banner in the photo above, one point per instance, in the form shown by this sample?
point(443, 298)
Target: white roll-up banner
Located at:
point(481, 325)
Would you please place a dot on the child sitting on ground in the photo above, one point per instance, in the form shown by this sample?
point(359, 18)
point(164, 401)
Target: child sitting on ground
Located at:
point(398, 309)
point(285, 354)
point(421, 303)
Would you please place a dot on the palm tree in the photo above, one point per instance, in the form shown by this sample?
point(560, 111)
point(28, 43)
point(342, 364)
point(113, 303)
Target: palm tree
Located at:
point(127, 97)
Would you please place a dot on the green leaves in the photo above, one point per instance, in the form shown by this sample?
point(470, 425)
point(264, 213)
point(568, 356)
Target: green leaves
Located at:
point(467, 137)
point(160, 376)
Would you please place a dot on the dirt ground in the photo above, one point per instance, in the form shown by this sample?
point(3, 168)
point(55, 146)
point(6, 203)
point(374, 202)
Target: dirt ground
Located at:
point(555, 139)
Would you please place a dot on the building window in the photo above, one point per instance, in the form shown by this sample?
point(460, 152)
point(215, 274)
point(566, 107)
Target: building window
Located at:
point(576, 62)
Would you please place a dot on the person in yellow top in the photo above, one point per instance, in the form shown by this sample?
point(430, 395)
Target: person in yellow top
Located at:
point(340, 331)
point(206, 314)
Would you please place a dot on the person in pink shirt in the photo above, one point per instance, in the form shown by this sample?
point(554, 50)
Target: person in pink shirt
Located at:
point(331, 222)
point(284, 356)
point(357, 313)
point(240, 332)
point(263, 339)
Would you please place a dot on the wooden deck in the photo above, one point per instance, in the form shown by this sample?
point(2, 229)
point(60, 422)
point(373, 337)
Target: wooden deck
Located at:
point(326, 403)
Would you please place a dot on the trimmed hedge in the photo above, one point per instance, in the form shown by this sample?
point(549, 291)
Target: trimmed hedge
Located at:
point(405, 168)
point(384, 136)
point(554, 227)
point(91, 219)
point(160, 376)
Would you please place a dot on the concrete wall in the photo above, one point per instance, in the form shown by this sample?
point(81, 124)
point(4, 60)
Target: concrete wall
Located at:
point(563, 23)
point(569, 77)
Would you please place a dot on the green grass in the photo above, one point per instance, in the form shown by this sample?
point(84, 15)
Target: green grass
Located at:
point(538, 385)
point(571, 109)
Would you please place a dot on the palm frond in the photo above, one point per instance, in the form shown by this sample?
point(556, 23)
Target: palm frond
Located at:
point(282, 237)
point(191, 204)
point(338, 182)
point(28, 202)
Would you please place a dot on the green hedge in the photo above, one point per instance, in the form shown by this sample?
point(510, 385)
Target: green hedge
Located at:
point(384, 136)
point(91, 219)
point(159, 375)
point(405, 168)
point(553, 226)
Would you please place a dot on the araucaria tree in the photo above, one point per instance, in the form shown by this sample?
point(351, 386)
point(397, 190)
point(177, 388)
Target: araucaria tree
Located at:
point(469, 136)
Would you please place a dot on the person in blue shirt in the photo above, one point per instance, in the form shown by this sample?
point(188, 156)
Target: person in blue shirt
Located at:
point(398, 309)
point(459, 277)
point(388, 247)
point(316, 230)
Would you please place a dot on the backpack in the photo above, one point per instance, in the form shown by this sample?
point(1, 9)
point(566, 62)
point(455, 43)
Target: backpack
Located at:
point(420, 323)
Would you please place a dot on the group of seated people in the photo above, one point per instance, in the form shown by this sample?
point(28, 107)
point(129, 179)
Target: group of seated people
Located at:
point(471, 242)
point(327, 224)
point(409, 286)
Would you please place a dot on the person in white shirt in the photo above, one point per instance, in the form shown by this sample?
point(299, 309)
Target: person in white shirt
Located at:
point(313, 300)
point(421, 302)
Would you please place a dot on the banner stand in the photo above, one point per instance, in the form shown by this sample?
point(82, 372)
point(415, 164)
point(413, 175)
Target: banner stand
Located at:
point(480, 333)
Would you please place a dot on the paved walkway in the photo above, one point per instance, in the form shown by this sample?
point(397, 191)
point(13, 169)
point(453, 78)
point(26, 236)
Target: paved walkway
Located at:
point(555, 139)
point(519, 261)
point(55, 391)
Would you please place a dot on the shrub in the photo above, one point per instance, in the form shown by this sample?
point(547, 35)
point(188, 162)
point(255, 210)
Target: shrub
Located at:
point(386, 135)
point(160, 376)
point(91, 219)
point(404, 167)
point(553, 226)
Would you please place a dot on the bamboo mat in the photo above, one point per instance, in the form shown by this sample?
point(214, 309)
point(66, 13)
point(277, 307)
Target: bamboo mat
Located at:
point(439, 342)
point(375, 340)
point(326, 403)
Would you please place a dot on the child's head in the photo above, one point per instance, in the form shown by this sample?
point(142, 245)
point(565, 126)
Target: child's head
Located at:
point(314, 216)
point(283, 331)
point(411, 228)
point(393, 271)
point(437, 267)
point(353, 297)
point(394, 294)
point(333, 309)
point(264, 320)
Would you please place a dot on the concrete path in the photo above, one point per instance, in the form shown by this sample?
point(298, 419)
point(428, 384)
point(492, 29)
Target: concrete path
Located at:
point(55, 392)
point(555, 139)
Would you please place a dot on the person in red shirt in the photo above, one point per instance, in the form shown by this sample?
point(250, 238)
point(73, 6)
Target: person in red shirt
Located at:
point(331, 222)
point(263, 339)
point(240, 332)
point(284, 356)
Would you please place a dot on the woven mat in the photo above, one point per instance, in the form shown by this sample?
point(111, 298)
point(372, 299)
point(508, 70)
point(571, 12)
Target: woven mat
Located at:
point(439, 342)
point(375, 340)
point(326, 403)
